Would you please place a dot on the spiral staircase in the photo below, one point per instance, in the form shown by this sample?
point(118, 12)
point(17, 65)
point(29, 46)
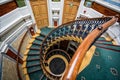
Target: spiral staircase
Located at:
point(52, 49)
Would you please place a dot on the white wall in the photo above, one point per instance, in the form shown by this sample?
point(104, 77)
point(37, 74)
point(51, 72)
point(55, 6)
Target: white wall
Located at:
point(13, 19)
point(108, 5)
point(4, 1)
point(30, 12)
point(91, 13)
point(114, 32)
point(81, 8)
point(55, 5)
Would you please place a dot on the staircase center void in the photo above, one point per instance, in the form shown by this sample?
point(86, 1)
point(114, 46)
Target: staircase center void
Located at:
point(57, 66)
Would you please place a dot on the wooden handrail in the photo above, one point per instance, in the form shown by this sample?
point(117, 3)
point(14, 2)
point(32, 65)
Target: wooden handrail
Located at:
point(75, 63)
point(18, 54)
point(17, 65)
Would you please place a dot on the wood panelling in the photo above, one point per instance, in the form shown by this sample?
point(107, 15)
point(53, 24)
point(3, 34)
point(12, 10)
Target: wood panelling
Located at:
point(40, 12)
point(5, 8)
point(104, 10)
point(70, 10)
point(14, 56)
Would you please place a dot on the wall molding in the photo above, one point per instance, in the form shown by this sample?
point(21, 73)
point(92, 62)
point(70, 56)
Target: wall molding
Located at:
point(7, 7)
point(19, 17)
point(114, 32)
point(5, 1)
point(12, 55)
point(13, 18)
point(57, 6)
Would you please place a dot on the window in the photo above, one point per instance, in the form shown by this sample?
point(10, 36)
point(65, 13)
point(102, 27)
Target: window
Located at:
point(113, 2)
point(55, 12)
point(88, 3)
point(55, 0)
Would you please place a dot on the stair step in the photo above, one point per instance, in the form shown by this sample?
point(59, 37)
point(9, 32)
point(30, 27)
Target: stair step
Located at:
point(104, 42)
point(37, 42)
point(35, 45)
point(40, 38)
point(44, 35)
point(36, 75)
point(33, 56)
point(109, 46)
point(35, 69)
point(46, 30)
point(38, 64)
point(107, 43)
point(38, 49)
point(30, 69)
point(33, 59)
point(32, 63)
point(101, 38)
point(33, 52)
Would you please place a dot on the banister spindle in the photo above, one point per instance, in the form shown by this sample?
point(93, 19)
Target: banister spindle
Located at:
point(75, 63)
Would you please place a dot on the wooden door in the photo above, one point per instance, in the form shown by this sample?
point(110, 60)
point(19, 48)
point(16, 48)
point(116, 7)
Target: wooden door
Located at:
point(70, 10)
point(40, 11)
point(55, 23)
